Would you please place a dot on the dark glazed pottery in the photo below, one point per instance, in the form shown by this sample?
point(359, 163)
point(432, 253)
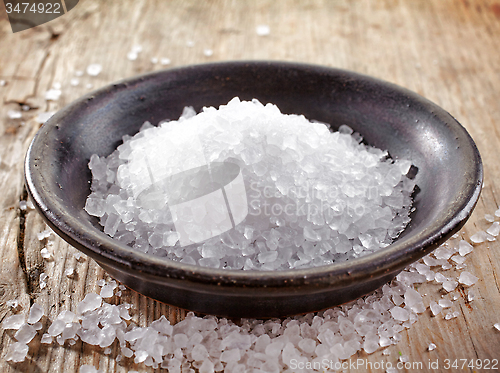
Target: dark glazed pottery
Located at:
point(449, 178)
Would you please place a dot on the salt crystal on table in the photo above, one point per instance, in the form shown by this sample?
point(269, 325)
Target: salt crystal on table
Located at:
point(89, 303)
point(2, 83)
point(53, 94)
point(88, 369)
point(46, 338)
point(13, 303)
point(89, 86)
point(431, 347)
point(94, 69)
point(439, 277)
point(471, 295)
point(14, 114)
point(458, 259)
point(497, 326)
point(208, 52)
point(69, 272)
point(449, 285)
point(467, 278)
point(23, 205)
point(478, 237)
point(132, 56)
point(464, 248)
point(107, 290)
point(25, 333)
point(74, 82)
point(399, 313)
point(13, 322)
point(17, 352)
point(263, 30)
point(154, 60)
point(165, 61)
point(35, 314)
point(435, 308)
point(46, 254)
point(494, 229)
point(490, 218)
point(101, 282)
point(451, 315)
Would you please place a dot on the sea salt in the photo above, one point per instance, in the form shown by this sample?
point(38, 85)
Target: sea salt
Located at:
point(17, 352)
point(94, 69)
point(464, 248)
point(263, 30)
point(74, 82)
point(53, 94)
point(338, 219)
point(14, 114)
point(208, 52)
point(467, 278)
point(35, 314)
point(165, 61)
point(431, 347)
point(497, 326)
point(13, 322)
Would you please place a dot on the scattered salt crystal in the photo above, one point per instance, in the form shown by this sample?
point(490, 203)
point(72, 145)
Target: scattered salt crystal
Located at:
point(13, 303)
point(25, 333)
point(386, 352)
point(107, 351)
point(435, 308)
point(89, 303)
point(94, 69)
point(74, 82)
point(399, 313)
point(165, 61)
point(263, 30)
point(101, 282)
point(13, 322)
point(497, 326)
point(467, 278)
point(458, 259)
point(89, 86)
point(451, 315)
point(88, 369)
point(23, 205)
point(122, 287)
point(78, 256)
point(154, 60)
point(208, 52)
point(46, 338)
point(2, 83)
point(46, 254)
point(478, 237)
point(43, 235)
point(494, 229)
point(449, 285)
point(132, 56)
point(69, 272)
point(464, 248)
point(431, 347)
point(17, 352)
point(43, 117)
point(471, 295)
point(53, 94)
point(14, 114)
point(439, 277)
point(107, 290)
point(35, 314)
point(490, 218)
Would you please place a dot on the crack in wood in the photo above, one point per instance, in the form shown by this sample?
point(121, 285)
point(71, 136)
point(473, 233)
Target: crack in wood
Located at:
point(468, 332)
point(20, 249)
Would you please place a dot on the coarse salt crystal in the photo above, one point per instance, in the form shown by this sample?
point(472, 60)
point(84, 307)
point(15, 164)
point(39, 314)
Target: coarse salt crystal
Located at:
point(208, 52)
point(53, 94)
point(17, 352)
point(497, 326)
point(13, 322)
point(467, 278)
point(165, 61)
point(14, 114)
point(74, 82)
point(263, 30)
point(431, 347)
point(35, 314)
point(94, 69)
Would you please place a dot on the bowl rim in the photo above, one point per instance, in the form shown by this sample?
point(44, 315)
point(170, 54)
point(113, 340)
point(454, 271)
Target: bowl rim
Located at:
point(103, 248)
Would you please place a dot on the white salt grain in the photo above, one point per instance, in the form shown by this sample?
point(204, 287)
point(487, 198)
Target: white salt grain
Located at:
point(467, 278)
point(13, 322)
point(13, 303)
point(17, 352)
point(89, 303)
point(132, 56)
point(165, 61)
point(478, 237)
point(53, 94)
point(2, 83)
point(35, 314)
point(46, 254)
point(87, 369)
point(471, 295)
point(494, 229)
point(263, 30)
point(25, 333)
point(449, 285)
point(154, 60)
point(464, 248)
point(14, 114)
point(431, 347)
point(74, 82)
point(435, 308)
point(94, 69)
point(490, 218)
point(208, 52)
point(497, 326)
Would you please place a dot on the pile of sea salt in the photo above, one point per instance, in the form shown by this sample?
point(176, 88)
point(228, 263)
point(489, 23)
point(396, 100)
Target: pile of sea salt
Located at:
point(309, 196)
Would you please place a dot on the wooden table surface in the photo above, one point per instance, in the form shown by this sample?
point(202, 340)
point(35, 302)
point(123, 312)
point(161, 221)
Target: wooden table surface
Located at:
point(446, 50)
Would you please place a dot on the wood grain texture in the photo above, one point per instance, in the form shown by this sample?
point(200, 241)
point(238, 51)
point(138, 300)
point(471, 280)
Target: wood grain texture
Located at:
point(446, 50)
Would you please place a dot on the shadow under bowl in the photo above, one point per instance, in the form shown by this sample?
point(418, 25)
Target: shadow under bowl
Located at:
point(389, 117)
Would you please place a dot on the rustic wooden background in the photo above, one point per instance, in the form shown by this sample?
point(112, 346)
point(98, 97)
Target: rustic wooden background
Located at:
point(446, 50)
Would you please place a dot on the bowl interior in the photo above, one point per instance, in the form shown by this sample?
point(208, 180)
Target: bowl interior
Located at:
point(446, 163)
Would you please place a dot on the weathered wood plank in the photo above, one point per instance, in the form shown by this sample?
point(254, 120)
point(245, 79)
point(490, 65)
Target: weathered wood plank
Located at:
point(445, 50)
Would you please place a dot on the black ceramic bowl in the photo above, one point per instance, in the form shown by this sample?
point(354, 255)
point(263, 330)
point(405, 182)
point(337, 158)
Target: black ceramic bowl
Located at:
point(449, 178)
